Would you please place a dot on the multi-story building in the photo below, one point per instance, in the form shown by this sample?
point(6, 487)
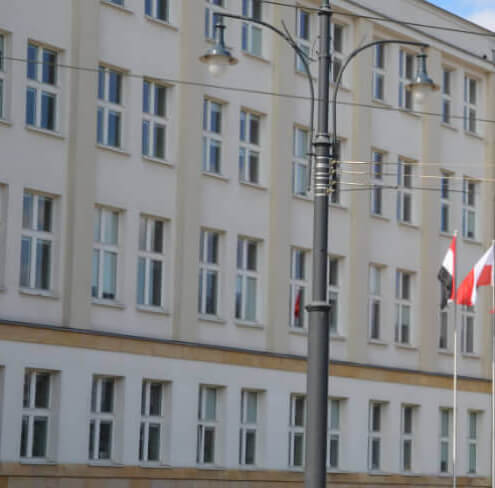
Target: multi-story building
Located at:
point(156, 235)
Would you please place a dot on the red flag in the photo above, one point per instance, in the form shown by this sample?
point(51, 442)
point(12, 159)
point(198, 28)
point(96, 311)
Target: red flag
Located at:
point(297, 305)
point(446, 275)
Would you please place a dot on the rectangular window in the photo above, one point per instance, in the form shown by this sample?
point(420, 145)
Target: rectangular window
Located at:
point(473, 418)
point(154, 130)
point(158, 9)
point(445, 427)
point(406, 76)
point(334, 265)
point(249, 149)
point(405, 179)
point(470, 104)
point(470, 190)
point(212, 137)
point(375, 301)
point(105, 254)
point(377, 182)
point(298, 288)
point(247, 280)
point(445, 202)
point(337, 49)
point(151, 262)
point(208, 420)
point(102, 418)
point(42, 87)
point(447, 96)
point(304, 37)
point(212, 18)
point(300, 161)
point(36, 414)
point(251, 39)
point(249, 427)
point(443, 340)
point(375, 436)
point(209, 273)
point(407, 438)
point(36, 241)
point(110, 107)
point(297, 423)
point(152, 427)
point(335, 176)
point(379, 72)
point(403, 299)
point(333, 435)
point(467, 331)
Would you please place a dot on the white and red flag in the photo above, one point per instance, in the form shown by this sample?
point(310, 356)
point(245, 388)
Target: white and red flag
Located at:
point(480, 275)
point(446, 275)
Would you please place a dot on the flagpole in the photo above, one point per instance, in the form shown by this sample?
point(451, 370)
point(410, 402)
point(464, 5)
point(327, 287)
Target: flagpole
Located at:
point(454, 443)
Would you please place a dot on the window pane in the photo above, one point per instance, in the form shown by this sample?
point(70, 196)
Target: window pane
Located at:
point(141, 441)
point(159, 142)
point(251, 255)
point(444, 426)
point(299, 414)
point(156, 399)
point(209, 445)
point(334, 451)
point(109, 275)
point(160, 100)
point(472, 458)
point(157, 236)
point(111, 227)
point(44, 221)
point(31, 106)
point(42, 396)
point(406, 455)
point(43, 264)
point(444, 457)
point(95, 276)
point(48, 107)
point(334, 414)
point(210, 412)
point(238, 297)
point(211, 292)
point(107, 393)
point(375, 454)
point(154, 442)
point(99, 126)
point(40, 431)
point(140, 280)
point(254, 127)
point(250, 447)
point(49, 75)
point(146, 137)
point(32, 65)
point(298, 449)
point(113, 134)
point(251, 299)
point(252, 407)
point(162, 9)
point(215, 117)
point(155, 285)
point(24, 435)
point(105, 440)
point(115, 86)
point(25, 272)
point(26, 399)
point(212, 245)
point(407, 427)
point(256, 40)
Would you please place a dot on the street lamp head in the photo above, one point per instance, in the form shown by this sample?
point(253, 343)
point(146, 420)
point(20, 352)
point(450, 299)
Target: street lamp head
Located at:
point(422, 84)
point(218, 57)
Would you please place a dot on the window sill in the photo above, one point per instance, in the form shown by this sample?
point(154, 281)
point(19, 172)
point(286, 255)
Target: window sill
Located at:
point(445, 352)
point(105, 463)
point(470, 355)
point(152, 310)
point(337, 337)
point(473, 134)
point(377, 342)
point(407, 347)
point(448, 235)
point(408, 225)
point(211, 467)
point(383, 103)
point(113, 149)
point(256, 186)
point(6, 123)
point(45, 132)
point(41, 461)
point(107, 303)
point(337, 205)
point(472, 241)
point(162, 162)
point(410, 112)
point(38, 293)
point(162, 23)
point(248, 325)
point(304, 198)
point(117, 7)
point(449, 126)
point(256, 56)
point(380, 217)
point(212, 318)
point(298, 331)
point(216, 176)
point(153, 465)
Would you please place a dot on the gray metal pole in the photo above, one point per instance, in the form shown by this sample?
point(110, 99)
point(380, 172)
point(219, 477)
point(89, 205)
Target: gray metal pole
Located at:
point(318, 335)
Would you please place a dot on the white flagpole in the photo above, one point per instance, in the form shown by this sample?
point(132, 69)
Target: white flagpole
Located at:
point(454, 443)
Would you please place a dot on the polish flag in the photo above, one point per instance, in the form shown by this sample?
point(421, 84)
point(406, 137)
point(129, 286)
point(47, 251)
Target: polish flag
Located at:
point(297, 305)
point(480, 275)
point(446, 275)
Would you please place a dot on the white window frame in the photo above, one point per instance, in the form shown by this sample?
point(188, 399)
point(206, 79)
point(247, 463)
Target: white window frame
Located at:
point(406, 77)
point(403, 302)
point(212, 137)
point(147, 226)
point(445, 203)
point(207, 267)
point(472, 441)
point(379, 67)
point(471, 100)
point(334, 432)
point(108, 108)
point(248, 427)
point(243, 276)
point(297, 431)
point(304, 42)
point(300, 151)
point(406, 171)
point(207, 424)
point(334, 292)
point(250, 30)
point(447, 101)
point(445, 439)
point(248, 147)
point(211, 19)
point(151, 10)
point(377, 181)
point(151, 420)
point(375, 274)
point(35, 236)
point(337, 51)
point(101, 248)
point(407, 438)
point(443, 336)
point(375, 435)
point(468, 333)
point(470, 188)
point(298, 288)
point(154, 121)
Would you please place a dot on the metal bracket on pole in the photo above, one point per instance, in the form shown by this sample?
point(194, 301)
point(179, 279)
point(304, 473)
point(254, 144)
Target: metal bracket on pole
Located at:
point(318, 307)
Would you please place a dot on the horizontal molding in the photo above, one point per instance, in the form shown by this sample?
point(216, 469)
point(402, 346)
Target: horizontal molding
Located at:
point(112, 342)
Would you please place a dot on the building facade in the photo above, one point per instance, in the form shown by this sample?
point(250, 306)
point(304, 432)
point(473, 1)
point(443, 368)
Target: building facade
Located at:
point(156, 235)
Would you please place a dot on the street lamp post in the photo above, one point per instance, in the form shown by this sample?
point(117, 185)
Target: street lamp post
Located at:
point(325, 169)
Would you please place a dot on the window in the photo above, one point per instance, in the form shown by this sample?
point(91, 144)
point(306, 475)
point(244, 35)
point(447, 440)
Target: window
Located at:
point(472, 441)
point(333, 438)
point(403, 283)
point(212, 137)
point(2, 77)
point(116, 2)
point(297, 422)
point(300, 161)
point(251, 40)
point(208, 413)
point(36, 241)
point(249, 427)
point(406, 76)
point(110, 107)
point(303, 33)
point(407, 438)
point(102, 418)
point(379, 72)
point(467, 332)
point(154, 131)
point(445, 426)
point(246, 286)
point(377, 182)
point(470, 104)
point(337, 50)
point(211, 17)
point(405, 176)
point(375, 436)
point(249, 150)
point(36, 414)
point(375, 301)
point(298, 287)
point(151, 430)
point(446, 96)
point(209, 273)
point(469, 203)
point(105, 254)
point(443, 339)
point(445, 202)
point(158, 9)
point(333, 292)
point(42, 90)
point(335, 176)
point(150, 270)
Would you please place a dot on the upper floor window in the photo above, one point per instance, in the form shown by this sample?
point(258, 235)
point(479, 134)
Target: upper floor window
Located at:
point(406, 75)
point(36, 241)
point(407, 438)
point(469, 204)
point(337, 49)
point(2, 76)
point(249, 150)
point(297, 423)
point(375, 436)
point(334, 265)
point(252, 41)
point(151, 430)
point(212, 137)
point(208, 423)
point(467, 331)
point(158, 9)
point(154, 130)
point(447, 96)
point(445, 202)
point(298, 287)
point(375, 301)
point(246, 286)
point(333, 438)
point(209, 273)
point(303, 32)
point(212, 18)
point(405, 176)
point(403, 299)
point(379, 72)
point(300, 161)
point(249, 427)
point(470, 104)
point(110, 107)
point(445, 428)
point(473, 420)
point(377, 182)
point(42, 90)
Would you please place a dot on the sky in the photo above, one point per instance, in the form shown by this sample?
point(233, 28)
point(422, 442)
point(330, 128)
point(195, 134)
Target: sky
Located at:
point(481, 12)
